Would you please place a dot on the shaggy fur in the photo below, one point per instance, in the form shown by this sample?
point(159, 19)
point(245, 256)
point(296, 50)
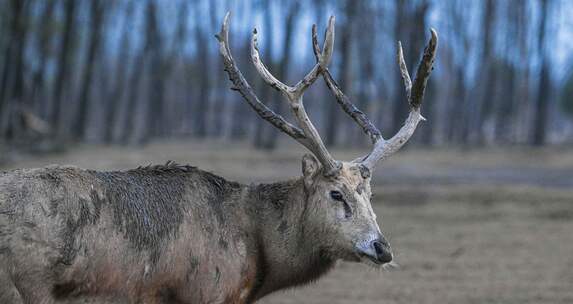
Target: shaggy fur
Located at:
point(169, 234)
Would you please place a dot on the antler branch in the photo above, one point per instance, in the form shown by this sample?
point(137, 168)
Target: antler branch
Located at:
point(307, 134)
point(241, 85)
point(293, 92)
point(415, 94)
point(404, 71)
point(356, 114)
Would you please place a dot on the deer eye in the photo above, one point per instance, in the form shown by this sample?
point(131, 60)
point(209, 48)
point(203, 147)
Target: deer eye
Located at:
point(336, 195)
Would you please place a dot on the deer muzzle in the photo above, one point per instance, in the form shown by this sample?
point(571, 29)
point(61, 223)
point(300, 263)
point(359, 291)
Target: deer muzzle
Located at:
point(377, 250)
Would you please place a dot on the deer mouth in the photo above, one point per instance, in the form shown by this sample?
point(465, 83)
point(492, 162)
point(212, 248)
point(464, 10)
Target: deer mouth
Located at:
point(370, 258)
point(367, 258)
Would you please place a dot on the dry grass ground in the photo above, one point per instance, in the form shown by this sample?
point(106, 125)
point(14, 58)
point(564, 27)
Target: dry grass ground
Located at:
point(488, 226)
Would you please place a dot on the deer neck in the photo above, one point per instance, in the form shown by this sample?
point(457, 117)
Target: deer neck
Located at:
point(288, 242)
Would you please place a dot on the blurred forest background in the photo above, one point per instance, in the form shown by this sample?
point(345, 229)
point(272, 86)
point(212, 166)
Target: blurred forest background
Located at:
point(129, 71)
point(108, 80)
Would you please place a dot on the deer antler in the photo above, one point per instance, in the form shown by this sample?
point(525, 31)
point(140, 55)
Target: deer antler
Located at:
point(414, 92)
point(306, 134)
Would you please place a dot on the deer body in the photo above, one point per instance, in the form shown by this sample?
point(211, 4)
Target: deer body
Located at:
point(165, 232)
point(176, 234)
point(162, 234)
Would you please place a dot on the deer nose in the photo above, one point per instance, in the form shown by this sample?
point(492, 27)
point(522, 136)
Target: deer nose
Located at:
point(377, 249)
point(382, 250)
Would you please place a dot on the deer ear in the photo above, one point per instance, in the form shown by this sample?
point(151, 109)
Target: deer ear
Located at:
point(310, 166)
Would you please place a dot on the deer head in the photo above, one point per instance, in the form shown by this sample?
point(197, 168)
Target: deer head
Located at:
point(340, 189)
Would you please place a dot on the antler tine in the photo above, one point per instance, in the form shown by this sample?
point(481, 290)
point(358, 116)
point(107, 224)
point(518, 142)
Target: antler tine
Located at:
point(241, 85)
point(415, 93)
point(324, 60)
point(262, 69)
point(425, 67)
point(293, 92)
point(307, 136)
point(315, 46)
point(404, 71)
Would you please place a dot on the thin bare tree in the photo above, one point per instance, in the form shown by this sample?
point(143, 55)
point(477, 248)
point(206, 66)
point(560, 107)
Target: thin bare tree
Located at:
point(116, 102)
point(64, 66)
point(539, 133)
point(96, 27)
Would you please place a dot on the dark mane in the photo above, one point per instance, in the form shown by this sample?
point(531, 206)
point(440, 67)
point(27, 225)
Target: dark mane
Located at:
point(275, 193)
point(169, 167)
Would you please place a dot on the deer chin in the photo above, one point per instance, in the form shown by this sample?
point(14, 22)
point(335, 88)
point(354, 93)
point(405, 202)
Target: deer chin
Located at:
point(359, 257)
point(373, 262)
point(370, 260)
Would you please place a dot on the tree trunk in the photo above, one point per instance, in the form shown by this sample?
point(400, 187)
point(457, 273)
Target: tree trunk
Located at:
point(334, 116)
point(482, 109)
point(116, 100)
point(159, 71)
point(135, 79)
point(63, 66)
point(177, 111)
point(81, 122)
point(13, 78)
point(38, 99)
point(15, 9)
point(202, 105)
point(539, 133)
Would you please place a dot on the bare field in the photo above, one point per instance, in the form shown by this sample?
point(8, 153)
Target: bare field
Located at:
point(488, 226)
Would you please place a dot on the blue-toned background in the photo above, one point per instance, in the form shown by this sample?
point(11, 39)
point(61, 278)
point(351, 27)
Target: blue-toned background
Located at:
point(478, 206)
point(130, 71)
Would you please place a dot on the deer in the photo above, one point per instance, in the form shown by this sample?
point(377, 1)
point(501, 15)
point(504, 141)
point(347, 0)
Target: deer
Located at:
point(177, 234)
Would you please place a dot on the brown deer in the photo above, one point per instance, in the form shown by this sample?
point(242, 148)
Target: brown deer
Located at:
point(176, 234)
